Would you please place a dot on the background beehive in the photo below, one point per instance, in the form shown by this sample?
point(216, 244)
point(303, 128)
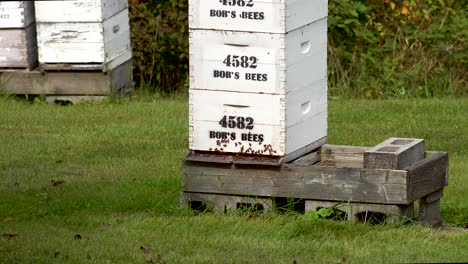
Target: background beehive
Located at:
point(18, 46)
point(258, 76)
point(83, 31)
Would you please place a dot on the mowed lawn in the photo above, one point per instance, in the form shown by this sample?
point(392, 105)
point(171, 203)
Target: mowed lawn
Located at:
point(100, 183)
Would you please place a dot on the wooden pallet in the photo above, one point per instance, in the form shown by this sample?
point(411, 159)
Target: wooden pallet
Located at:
point(70, 85)
point(332, 175)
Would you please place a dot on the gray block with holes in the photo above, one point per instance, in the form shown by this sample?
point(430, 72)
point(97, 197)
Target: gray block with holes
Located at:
point(395, 154)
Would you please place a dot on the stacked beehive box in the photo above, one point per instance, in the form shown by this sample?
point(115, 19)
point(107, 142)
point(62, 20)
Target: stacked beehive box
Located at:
point(258, 76)
point(18, 48)
point(81, 32)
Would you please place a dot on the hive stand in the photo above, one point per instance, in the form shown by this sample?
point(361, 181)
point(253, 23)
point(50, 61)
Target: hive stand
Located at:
point(72, 85)
point(333, 176)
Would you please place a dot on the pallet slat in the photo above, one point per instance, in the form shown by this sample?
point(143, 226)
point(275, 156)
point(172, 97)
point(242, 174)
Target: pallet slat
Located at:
point(428, 175)
point(314, 182)
point(306, 182)
point(117, 82)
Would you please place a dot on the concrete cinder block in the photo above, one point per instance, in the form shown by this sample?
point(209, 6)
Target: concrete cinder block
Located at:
point(395, 154)
point(394, 213)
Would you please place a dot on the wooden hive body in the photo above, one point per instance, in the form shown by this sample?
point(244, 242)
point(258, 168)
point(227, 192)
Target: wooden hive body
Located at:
point(18, 46)
point(261, 91)
point(273, 16)
point(83, 31)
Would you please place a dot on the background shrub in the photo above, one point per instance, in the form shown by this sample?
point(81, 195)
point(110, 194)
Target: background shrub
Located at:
point(389, 48)
point(159, 32)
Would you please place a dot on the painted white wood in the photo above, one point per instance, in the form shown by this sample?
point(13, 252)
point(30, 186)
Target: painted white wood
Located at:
point(78, 10)
point(271, 67)
point(118, 60)
point(116, 35)
point(283, 122)
point(306, 132)
point(18, 47)
point(84, 42)
point(16, 14)
point(70, 42)
point(305, 103)
point(207, 109)
point(285, 62)
point(274, 16)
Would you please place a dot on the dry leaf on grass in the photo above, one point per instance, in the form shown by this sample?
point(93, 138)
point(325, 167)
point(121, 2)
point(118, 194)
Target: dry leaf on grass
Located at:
point(10, 236)
point(56, 182)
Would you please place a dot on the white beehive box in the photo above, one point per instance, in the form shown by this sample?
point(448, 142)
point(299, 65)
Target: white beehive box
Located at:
point(261, 124)
point(259, 62)
point(18, 48)
point(83, 32)
point(274, 16)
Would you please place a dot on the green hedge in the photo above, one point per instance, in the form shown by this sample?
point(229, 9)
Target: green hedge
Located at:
point(388, 48)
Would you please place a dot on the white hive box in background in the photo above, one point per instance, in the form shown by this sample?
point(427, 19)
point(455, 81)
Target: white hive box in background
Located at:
point(18, 46)
point(274, 16)
point(83, 32)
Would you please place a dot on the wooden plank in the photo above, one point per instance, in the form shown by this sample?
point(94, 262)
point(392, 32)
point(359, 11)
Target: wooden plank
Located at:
point(70, 42)
point(121, 79)
point(343, 156)
point(16, 14)
point(118, 81)
point(259, 118)
point(307, 182)
point(55, 83)
point(18, 48)
point(308, 159)
point(260, 16)
point(78, 10)
point(428, 175)
point(70, 67)
point(261, 62)
point(116, 35)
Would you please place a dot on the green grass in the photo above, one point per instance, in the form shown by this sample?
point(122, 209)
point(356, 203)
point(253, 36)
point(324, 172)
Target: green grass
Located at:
point(121, 161)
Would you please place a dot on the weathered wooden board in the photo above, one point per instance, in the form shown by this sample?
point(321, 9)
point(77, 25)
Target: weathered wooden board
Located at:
point(260, 62)
point(65, 42)
point(321, 182)
point(16, 14)
point(274, 16)
point(343, 156)
point(308, 159)
point(78, 10)
point(98, 83)
point(254, 123)
point(428, 175)
point(306, 182)
point(18, 47)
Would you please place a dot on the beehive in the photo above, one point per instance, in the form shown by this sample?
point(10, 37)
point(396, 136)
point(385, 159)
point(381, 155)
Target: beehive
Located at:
point(18, 46)
point(274, 16)
point(258, 76)
point(83, 31)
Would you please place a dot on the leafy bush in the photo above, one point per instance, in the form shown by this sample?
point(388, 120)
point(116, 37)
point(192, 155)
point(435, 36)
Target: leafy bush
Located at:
point(159, 32)
point(398, 48)
point(390, 48)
